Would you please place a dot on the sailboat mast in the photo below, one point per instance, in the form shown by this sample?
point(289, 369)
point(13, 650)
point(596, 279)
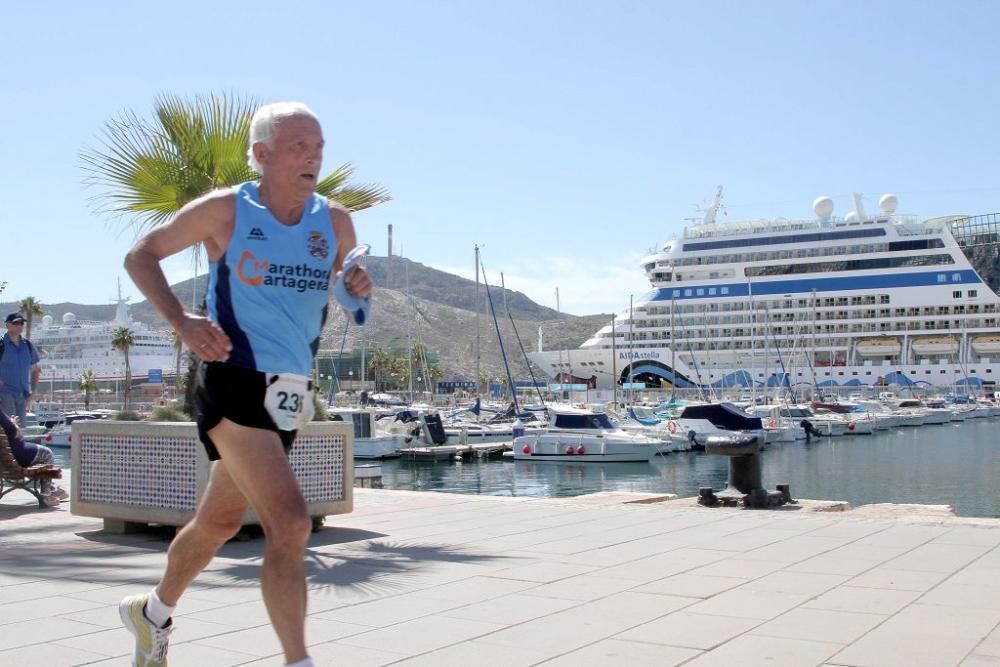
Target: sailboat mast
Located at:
point(478, 372)
point(614, 363)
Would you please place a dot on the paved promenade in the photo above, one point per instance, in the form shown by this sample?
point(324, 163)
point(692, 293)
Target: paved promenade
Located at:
point(439, 579)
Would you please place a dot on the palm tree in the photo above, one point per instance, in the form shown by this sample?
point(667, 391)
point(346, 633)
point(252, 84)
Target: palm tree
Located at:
point(148, 169)
point(88, 385)
point(122, 339)
point(378, 361)
point(30, 308)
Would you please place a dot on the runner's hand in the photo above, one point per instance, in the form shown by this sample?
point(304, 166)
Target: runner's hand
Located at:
point(357, 282)
point(205, 338)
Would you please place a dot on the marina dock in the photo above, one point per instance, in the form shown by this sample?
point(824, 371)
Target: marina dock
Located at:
point(449, 452)
point(415, 578)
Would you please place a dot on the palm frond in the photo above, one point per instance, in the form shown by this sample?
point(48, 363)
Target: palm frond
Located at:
point(145, 171)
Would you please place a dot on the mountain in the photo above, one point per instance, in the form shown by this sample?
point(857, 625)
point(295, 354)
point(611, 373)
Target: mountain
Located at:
point(431, 307)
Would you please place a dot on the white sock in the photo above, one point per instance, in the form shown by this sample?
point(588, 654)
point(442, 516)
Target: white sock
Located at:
point(304, 662)
point(157, 611)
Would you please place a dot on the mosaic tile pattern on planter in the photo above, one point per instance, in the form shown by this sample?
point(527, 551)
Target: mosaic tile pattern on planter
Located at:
point(318, 462)
point(149, 471)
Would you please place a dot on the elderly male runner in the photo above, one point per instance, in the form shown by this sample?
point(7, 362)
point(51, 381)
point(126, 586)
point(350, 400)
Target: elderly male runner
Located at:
point(275, 248)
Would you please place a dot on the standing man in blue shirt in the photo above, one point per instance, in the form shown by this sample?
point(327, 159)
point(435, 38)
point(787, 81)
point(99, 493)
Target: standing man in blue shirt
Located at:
point(19, 370)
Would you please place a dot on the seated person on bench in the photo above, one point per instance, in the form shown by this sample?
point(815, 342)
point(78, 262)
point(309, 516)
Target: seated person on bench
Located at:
point(29, 454)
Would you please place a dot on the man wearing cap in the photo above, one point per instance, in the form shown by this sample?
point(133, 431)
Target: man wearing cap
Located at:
point(275, 250)
point(19, 370)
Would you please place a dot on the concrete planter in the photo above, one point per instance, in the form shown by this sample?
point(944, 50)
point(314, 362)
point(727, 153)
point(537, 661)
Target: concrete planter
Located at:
point(155, 472)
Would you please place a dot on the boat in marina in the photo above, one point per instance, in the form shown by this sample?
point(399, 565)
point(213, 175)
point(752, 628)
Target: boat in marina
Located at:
point(576, 435)
point(371, 440)
point(863, 301)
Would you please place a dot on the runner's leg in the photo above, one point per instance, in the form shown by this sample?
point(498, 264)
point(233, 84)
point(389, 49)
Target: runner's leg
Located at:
point(219, 517)
point(259, 467)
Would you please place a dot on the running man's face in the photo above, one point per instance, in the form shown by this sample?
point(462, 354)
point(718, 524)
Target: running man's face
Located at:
point(295, 155)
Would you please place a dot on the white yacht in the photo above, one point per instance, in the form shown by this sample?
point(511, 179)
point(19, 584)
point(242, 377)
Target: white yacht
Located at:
point(859, 301)
point(579, 436)
point(371, 440)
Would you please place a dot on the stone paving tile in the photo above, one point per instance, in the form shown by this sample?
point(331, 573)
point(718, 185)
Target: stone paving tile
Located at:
point(747, 540)
point(972, 535)
point(748, 604)
point(511, 609)
point(27, 610)
point(335, 653)
point(990, 645)
point(262, 641)
point(902, 580)
point(422, 634)
point(937, 557)
point(583, 588)
point(477, 653)
point(911, 649)
point(976, 575)
point(574, 628)
point(389, 611)
point(980, 660)
point(543, 572)
point(618, 652)
point(736, 566)
point(28, 633)
point(688, 629)
point(964, 595)
point(477, 589)
point(794, 583)
point(53, 655)
point(690, 585)
point(653, 568)
point(757, 650)
point(45, 588)
point(864, 600)
point(822, 625)
point(795, 549)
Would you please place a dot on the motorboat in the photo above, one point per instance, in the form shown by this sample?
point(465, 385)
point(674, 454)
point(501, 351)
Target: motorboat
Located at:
point(371, 441)
point(699, 422)
point(61, 435)
point(578, 435)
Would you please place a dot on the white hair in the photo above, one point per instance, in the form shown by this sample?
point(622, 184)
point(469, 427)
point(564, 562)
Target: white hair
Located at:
point(264, 121)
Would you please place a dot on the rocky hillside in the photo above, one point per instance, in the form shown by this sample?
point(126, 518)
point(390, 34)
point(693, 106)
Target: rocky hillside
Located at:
point(438, 310)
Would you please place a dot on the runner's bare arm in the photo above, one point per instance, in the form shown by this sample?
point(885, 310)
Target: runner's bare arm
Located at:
point(209, 220)
point(357, 281)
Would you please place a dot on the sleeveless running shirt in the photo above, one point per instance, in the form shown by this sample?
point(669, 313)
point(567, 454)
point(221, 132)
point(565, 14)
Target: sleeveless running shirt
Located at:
point(268, 291)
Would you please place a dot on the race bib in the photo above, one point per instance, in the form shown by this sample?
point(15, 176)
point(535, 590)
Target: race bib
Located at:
point(289, 400)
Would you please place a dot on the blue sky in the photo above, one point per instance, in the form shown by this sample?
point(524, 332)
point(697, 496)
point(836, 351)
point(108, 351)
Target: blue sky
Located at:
point(566, 138)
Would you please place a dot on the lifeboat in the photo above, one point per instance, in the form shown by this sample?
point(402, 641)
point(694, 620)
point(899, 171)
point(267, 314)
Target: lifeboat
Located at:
point(935, 345)
point(986, 344)
point(878, 347)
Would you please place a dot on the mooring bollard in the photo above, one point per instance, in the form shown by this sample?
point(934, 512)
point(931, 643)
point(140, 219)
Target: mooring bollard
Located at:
point(744, 479)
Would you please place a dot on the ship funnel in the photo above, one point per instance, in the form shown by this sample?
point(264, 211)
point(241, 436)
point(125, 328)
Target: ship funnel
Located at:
point(859, 208)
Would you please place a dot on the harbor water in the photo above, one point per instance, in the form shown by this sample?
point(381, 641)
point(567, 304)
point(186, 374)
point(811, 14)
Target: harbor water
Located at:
point(955, 464)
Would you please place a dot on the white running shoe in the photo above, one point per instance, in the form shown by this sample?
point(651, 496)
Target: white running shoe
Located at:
point(150, 641)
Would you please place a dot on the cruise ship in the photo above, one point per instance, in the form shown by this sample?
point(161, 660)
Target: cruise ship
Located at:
point(70, 348)
point(859, 301)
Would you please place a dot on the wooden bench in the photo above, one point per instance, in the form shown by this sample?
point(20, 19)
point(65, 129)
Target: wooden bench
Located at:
point(14, 476)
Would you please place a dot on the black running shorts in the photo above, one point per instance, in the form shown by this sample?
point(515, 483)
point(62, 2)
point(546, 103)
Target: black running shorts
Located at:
point(235, 393)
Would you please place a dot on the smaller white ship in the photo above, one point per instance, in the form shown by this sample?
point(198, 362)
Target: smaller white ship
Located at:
point(71, 347)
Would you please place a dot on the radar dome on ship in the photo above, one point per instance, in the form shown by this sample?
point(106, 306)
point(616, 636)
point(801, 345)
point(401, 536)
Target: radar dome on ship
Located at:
point(888, 203)
point(851, 217)
point(47, 321)
point(823, 207)
point(69, 318)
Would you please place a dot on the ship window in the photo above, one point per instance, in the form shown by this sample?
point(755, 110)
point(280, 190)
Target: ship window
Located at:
point(973, 292)
point(956, 277)
point(687, 292)
point(723, 290)
point(711, 291)
point(942, 277)
point(676, 293)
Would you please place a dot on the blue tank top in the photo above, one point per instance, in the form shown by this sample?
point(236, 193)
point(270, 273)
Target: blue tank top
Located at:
point(268, 291)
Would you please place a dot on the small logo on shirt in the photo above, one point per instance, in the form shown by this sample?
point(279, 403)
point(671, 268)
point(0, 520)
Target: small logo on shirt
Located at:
point(257, 234)
point(318, 247)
